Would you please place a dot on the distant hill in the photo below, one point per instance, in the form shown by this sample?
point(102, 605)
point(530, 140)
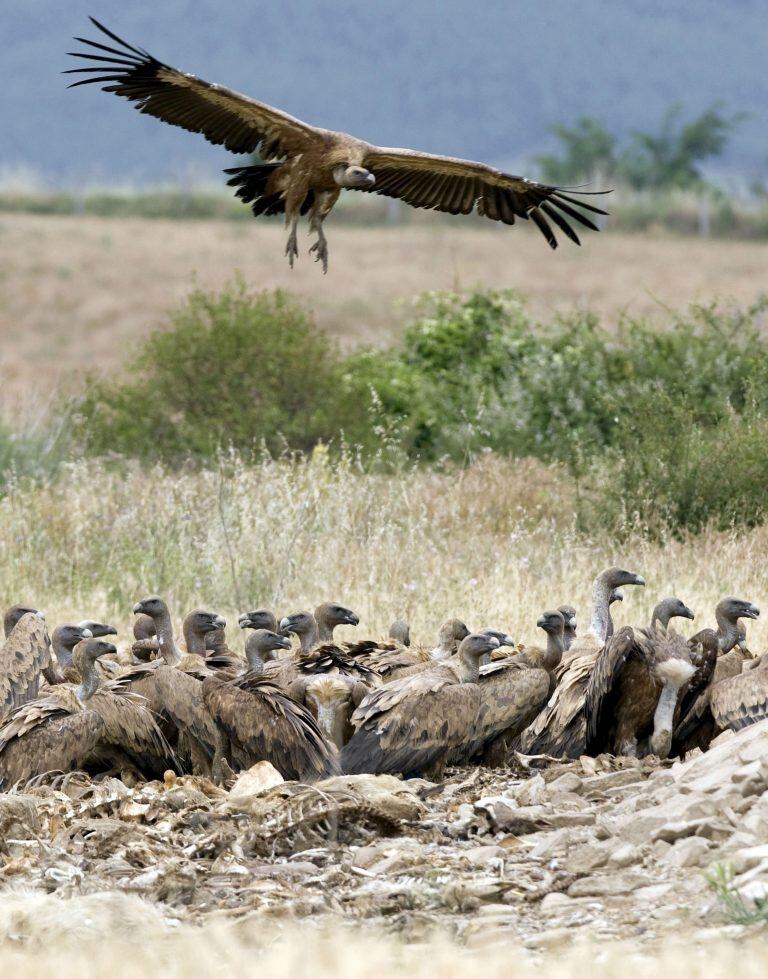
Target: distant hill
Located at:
point(484, 79)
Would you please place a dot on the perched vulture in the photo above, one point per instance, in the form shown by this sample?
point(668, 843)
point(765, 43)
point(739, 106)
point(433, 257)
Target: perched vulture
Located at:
point(722, 655)
point(331, 698)
point(568, 613)
point(88, 725)
point(256, 721)
point(305, 168)
point(413, 724)
point(24, 656)
point(633, 691)
point(560, 727)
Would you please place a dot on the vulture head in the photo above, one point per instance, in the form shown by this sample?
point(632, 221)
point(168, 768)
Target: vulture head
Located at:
point(196, 627)
point(552, 622)
point(503, 638)
point(153, 606)
point(670, 608)
point(617, 595)
point(568, 613)
point(616, 577)
point(260, 618)
point(15, 613)
point(299, 623)
point(473, 648)
point(400, 631)
point(261, 646)
point(328, 616)
point(735, 608)
point(451, 634)
point(353, 177)
point(732, 632)
point(84, 658)
point(64, 640)
point(98, 629)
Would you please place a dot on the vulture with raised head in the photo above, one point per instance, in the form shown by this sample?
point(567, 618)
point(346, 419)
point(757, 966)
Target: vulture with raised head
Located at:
point(722, 654)
point(91, 725)
point(304, 168)
point(560, 728)
point(413, 724)
point(257, 721)
point(632, 694)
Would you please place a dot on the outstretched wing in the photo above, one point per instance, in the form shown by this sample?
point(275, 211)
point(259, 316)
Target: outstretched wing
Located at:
point(444, 183)
point(224, 117)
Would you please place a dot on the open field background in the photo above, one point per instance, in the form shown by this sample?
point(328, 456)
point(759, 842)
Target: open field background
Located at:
point(494, 545)
point(76, 293)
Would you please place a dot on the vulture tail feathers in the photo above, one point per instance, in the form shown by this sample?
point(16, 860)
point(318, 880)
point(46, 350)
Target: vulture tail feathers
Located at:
point(251, 187)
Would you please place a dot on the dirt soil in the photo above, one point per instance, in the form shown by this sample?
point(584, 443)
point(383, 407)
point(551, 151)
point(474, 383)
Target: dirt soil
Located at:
point(545, 852)
point(77, 293)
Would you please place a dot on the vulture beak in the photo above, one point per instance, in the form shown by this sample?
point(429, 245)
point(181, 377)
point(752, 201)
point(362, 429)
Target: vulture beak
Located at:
point(109, 648)
point(541, 622)
point(243, 620)
point(220, 622)
point(494, 642)
point(352, 619)
point(689, 614)
point(572, 622)
point(138, 607)
point(751, 612)
point(86, 633)
point(284, 643)
point(285, 624)
point(639, 579)
point(507, 640)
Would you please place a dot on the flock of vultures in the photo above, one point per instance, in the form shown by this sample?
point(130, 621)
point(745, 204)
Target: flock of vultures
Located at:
point(313, 706)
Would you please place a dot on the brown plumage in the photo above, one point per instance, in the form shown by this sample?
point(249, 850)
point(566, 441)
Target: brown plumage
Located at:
point(331, 698)
point(317, 652)
point(258, 619)
point(560, 727)
point(257, 721)
point(306, 168)
point(24, 656)
point(392, 661)
point(63, 641)
point(91, 725)
point(632, 693)
point(549, 658)
point(172, 685)
point(412, 725)
point(696, 725)
point(314, 628)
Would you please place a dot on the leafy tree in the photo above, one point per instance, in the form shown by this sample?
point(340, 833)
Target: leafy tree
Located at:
point(588, 149)
point(672, 157)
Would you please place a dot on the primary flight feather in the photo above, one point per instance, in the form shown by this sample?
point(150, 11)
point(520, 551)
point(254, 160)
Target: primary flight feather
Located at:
point(305, 168)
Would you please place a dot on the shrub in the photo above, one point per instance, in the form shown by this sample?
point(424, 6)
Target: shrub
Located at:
point(239, 369)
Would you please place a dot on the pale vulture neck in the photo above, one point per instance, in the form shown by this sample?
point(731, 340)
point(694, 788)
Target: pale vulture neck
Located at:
point(602, 624)
point(195, 643)
point(311, 638)
point(554, 651)
point(467, 667)
point(63, 653)
point(324, 630)
point(164, 629)
point(89, 680)
point(727, 633)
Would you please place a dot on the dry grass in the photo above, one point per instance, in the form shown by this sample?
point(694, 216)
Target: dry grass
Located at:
point(493, 545)
point(77, 293)
point(94, 936)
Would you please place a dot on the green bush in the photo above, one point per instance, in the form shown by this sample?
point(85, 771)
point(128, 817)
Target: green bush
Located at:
point(235, 369)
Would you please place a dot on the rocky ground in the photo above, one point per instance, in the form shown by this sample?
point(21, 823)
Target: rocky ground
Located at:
point(546, 853)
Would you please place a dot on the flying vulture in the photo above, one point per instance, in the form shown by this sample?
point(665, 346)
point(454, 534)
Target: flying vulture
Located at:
point(305, 168)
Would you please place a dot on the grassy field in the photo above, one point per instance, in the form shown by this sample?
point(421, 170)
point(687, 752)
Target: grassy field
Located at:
point(77, 292)
point(493, 544)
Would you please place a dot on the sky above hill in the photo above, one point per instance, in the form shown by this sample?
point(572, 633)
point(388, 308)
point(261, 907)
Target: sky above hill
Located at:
point(485, 80)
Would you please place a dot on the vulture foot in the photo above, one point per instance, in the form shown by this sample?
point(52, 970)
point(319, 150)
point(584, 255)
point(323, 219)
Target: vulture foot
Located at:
point(292, 248)
point(321, 247)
